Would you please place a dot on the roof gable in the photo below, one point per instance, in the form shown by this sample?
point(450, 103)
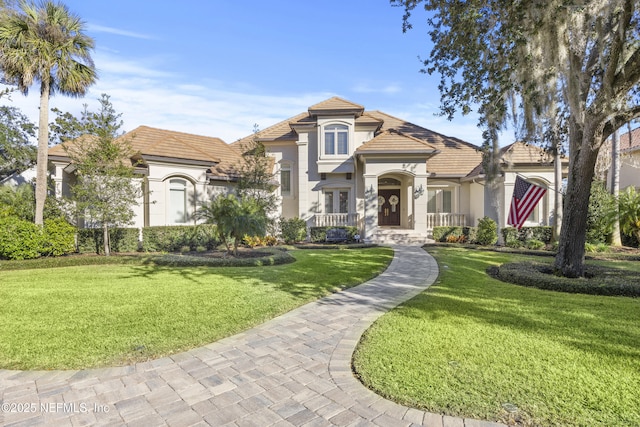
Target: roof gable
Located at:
point(336, 105)
point(392, 141)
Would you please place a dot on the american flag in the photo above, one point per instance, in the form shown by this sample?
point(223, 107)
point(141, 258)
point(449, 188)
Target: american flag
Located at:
point(525, 198)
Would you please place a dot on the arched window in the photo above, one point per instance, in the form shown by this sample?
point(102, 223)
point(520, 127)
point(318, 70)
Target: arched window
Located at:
point(336, 140)
point(177, 208)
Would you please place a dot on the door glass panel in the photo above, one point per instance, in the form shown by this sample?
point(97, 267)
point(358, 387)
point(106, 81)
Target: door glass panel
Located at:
point(328, 202)
point(344, 202)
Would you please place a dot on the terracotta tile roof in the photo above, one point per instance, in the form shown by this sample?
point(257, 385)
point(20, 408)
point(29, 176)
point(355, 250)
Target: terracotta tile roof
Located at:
point(335, 104)
point(522, 153)
point(170, 145)
point(630, 141)
point(279, 132)
point(393, 141)
point(456, 156)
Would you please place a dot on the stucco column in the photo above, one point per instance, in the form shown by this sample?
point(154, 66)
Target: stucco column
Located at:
point(303, 175)
point(420, 203)
point(370, 206)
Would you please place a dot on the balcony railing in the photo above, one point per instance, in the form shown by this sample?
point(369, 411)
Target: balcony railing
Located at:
point(335, 220)
point(446, 220)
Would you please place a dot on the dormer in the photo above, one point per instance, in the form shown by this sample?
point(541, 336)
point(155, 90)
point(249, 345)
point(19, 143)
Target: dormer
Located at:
point(335, 120)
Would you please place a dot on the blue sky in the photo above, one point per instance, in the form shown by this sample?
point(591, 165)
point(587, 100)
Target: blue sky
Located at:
point(217, 67)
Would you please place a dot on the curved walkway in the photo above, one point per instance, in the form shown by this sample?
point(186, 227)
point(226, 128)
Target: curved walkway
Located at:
point(292, 370)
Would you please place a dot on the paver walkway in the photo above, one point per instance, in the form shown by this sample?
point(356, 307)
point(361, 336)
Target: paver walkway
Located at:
point(292, 370)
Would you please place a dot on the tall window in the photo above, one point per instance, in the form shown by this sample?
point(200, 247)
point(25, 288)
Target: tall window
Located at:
point(336, 140)
point(439, 201)
point(285, 180)
point(336, 201)
point(177, 212)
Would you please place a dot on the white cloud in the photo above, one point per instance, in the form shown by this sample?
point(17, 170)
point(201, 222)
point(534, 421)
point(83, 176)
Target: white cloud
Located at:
point(110, 30)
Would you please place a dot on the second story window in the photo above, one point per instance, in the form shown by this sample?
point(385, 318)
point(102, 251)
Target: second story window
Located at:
point(336, 140)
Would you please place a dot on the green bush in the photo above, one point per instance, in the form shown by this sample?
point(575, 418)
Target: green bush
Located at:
point(90, 240)
point(271, 256)
point(172, 238)
point(293, 230)
point(513, 243)
point(59, 237)
point(599, 280)
point(542, 233)
point(487, 231)
point(601, 206)
point(534, 244)
point(319, 234)
point(19, 238)
point(460, 234)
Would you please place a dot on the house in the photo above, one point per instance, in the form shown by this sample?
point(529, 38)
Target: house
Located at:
point(630, 159)
point(177, 172)
point(336, 164)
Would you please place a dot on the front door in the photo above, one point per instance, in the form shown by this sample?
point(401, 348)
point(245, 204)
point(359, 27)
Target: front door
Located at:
point(389, 207)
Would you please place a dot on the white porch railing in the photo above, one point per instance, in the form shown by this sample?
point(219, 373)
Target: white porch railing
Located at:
point(335, 220)
point(446, 220)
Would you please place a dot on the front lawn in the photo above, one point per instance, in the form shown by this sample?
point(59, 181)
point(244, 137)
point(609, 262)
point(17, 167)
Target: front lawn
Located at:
point(105, 315)
point(476, 347)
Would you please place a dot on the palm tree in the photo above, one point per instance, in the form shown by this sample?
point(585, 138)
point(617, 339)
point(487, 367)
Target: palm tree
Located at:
point(44, 42)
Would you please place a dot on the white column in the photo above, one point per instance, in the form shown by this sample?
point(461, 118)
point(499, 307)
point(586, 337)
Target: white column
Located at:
point(370, 206)
point(420, 203)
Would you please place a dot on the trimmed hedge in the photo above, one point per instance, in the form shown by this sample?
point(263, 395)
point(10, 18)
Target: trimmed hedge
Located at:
point(541, 233)
point(319, 234)
point(460, 234)
point(293, 230)
point(270, 257)
point(599, 280)
point(174, 238)
point(90, 240)
point(21, 239)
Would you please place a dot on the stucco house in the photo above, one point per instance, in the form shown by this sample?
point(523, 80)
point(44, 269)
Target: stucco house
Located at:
point(177, 172)
point(630, 159)
point(336, 164)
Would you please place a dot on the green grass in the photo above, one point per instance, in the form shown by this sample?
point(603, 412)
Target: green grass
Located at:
point(471, 343)
point(105, 315)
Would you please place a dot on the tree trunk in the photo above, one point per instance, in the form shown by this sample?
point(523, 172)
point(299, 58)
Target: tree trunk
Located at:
point(105, 238)
point(43, 153)
point(615, 186)
point(570, 258)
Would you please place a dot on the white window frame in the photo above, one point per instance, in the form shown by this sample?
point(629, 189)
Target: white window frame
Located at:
point(335, 208)
point(174, 185)
point(439, 202)
point(286, 167)
point(335, 129)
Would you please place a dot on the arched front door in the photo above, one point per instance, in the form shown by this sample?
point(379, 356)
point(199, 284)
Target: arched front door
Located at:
point(389, 207)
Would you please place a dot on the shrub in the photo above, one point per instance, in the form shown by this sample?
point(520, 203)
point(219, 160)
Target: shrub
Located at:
point(319, 234)
point(534, 244)
point(59, 237)
point(542, 233)
point(19, 238)
point(599, 280)
point(172, 238)
point(514, 243)
point(601, 206)
point(293, 230)
point(91, 240)
point(185, 249)
point(460, 234)
point(487, 231)
point(271, 257)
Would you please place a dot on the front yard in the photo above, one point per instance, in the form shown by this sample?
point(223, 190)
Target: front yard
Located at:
point(105, 315)
point(477, 347)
